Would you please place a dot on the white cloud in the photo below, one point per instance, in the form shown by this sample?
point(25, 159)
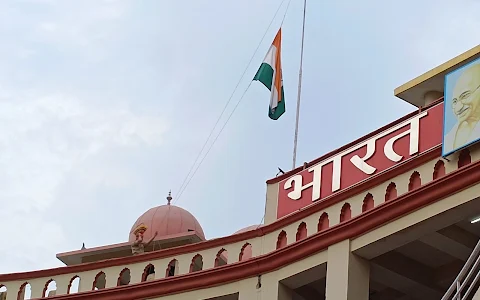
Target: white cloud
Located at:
point(48, 26)
point(42, 138)
point(34, 238)
point(86, 94)
point(51, 129)
point(445, 30)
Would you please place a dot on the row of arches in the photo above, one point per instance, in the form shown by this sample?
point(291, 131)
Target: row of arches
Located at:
point(124, 276)
point(222, 255)
point(221, 258)
point(50, 289)
point(415, 182)
point(196, 264)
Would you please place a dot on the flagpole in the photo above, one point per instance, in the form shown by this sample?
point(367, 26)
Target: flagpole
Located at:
point(299, 88)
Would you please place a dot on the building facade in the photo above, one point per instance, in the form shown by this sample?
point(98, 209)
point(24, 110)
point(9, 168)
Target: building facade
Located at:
point(388, 216)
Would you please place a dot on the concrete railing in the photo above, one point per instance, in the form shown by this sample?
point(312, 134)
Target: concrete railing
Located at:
point(232, 249)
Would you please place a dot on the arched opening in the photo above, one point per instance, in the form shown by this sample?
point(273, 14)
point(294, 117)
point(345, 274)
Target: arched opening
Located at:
point(282, 239)
point(464, 158)
point(301, 231)
point(197, 263)
point(368, 203)
point(323, 222)
point(222, 258)
point(346, 213)
point(148, 273)
point(73, 285)
point(245, 252)
point(25, 291)
point(415, 181)
point(439, 169)
point(3, 292)
point(124, 277)
point(100, 281)
point(50, 288)
point(391, 192)
point(172, 268)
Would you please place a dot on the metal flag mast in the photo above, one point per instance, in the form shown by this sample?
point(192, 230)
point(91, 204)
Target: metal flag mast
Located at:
point(299, 88)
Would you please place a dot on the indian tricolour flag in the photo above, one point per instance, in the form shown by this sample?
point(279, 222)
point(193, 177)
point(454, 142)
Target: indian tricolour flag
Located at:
point(270, 74)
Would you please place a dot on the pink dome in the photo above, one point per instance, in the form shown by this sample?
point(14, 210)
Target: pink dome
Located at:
point(167, 220)
point(252, 227)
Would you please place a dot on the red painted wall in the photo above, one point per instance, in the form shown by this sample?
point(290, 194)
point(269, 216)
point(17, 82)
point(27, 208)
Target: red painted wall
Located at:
point(430, 135)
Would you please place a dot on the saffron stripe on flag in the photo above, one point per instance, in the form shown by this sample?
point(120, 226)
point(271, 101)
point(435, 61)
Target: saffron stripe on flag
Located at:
point(270, 74)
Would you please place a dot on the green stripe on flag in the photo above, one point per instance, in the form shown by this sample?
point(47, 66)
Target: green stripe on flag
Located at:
point(279, 110)
point(265, 75)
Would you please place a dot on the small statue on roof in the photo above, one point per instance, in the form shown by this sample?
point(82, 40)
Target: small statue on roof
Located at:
point(138, 246)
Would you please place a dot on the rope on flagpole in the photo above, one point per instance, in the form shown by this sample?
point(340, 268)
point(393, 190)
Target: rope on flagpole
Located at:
point(187, 180)
point(295, 139)
point(213, 143)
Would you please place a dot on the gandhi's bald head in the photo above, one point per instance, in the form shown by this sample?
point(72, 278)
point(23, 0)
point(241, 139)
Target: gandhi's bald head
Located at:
point(466, 95)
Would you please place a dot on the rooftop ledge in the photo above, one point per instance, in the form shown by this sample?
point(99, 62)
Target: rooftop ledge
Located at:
point(429, 86)
point(124, 249)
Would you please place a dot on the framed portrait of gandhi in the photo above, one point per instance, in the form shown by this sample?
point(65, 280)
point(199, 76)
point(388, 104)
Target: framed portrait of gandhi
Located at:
point(461, 116)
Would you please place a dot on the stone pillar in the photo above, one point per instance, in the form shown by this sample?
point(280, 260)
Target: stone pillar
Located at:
point(111, 279)
point(209, 261)
point(431, 96)
point(348, 276)
point(12, 290)
point(36, 290)
point(62, 285)
point(86, 282)
point(271, 203)
point(183, 266)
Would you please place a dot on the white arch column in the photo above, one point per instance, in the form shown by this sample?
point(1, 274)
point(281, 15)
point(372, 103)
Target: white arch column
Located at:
point(37, 287)
point(12, 290)
point(62, 285)
point(348, 276)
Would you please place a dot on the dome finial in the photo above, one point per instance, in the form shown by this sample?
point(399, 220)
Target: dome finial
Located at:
point(169, 197)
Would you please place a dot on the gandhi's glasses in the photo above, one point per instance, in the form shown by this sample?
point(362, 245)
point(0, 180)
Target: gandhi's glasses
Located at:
point(464, 97)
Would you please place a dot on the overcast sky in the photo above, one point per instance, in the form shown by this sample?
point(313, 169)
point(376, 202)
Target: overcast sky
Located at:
point(104, 105)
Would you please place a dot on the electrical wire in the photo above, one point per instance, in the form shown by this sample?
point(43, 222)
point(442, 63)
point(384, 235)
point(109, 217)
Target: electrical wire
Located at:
point(186, 182)
point(228, 101)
